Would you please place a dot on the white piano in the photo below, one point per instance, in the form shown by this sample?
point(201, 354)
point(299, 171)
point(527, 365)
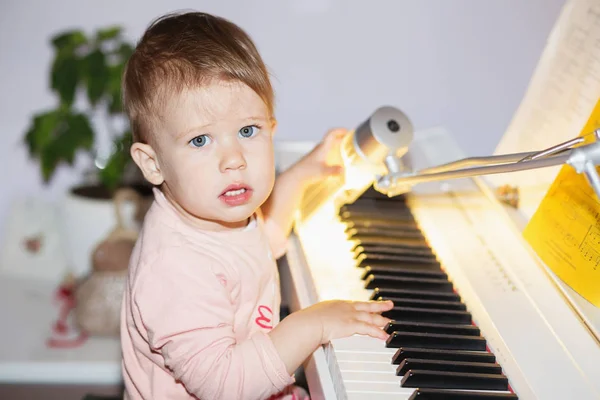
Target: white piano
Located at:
point(544, 336)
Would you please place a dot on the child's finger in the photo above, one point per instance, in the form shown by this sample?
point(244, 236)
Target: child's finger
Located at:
point(380, 320)
point(332, 170)
point(372, 318)
point(333, 137)
point(373, 306)
point(364, 328)
point(335, 133)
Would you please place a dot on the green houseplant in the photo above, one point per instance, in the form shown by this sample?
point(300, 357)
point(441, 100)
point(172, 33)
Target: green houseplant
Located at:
point(85, 76)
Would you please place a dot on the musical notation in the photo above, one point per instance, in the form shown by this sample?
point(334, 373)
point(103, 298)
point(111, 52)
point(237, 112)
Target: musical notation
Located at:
point(561, 95)
point(590, 247)
point(565, 230)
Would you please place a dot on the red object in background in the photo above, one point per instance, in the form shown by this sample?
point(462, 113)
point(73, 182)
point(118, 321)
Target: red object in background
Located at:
point(64, 333)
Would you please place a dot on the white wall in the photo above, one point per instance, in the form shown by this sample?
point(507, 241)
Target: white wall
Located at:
point(464, 64)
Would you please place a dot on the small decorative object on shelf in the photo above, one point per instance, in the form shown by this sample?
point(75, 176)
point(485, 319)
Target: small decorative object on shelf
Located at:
point(98, 296)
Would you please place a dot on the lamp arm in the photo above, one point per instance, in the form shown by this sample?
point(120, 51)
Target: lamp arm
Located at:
point(583, 159)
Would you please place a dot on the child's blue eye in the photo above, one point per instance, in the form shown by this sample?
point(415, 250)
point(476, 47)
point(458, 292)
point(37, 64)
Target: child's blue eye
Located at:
point(200, 141)
point(248, 131)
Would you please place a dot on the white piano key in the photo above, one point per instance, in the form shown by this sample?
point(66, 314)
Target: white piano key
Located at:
point(363, 387)
point(400, 395)
point(375, 395)
point(371, 376)
point(375, 366)
point(348, 355)
point(361, 343)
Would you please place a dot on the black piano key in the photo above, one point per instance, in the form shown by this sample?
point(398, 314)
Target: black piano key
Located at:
point(357, 215)
point(375, 281)
point(357, 229)
point(436, 304)
point(466, 330)
point(371, 193)
point(381, 208)
point(395, 245)
point(386, 252)
point(453, 380)
point(432, 315)
point(365, 222)
point(447, 355)
point(376, 205)
point(378, 198)
point(381, 248)
point(451, 366)
point(398, 252)
point(433, 269)
point(403, 256)
point(414, 294)
point(442, 394)
point(435, 341)
point(362, 226)
point(406, 243)
point(428, 315)
point(406, 272)
point(427, 262)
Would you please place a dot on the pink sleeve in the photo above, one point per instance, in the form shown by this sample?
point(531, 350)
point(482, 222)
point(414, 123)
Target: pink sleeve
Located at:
point(189, 319)
point(277, 238)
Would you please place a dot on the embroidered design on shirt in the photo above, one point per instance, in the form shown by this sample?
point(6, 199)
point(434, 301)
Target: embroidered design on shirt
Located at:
point(265, 316)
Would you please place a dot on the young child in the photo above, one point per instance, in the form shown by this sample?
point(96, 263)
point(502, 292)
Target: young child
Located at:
point(201, 307)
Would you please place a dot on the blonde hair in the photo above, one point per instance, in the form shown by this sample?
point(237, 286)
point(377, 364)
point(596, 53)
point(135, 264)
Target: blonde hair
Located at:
point(184, 50)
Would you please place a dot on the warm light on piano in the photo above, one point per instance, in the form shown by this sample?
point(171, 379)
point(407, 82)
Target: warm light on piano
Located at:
point(324, 232)
point(542, 346)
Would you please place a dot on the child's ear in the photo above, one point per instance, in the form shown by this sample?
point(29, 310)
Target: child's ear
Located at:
point(273, 126)
point(145, 158)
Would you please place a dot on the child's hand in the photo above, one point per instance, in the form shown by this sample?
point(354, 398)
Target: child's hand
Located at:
point(338, 319)
point(325, 159)
point(299, 334)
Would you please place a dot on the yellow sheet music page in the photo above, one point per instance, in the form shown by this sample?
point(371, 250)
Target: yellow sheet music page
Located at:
point(565, 229)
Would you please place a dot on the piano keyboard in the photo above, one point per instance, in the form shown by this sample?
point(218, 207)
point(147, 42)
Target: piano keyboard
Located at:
point(488, 319)
point(433, 343)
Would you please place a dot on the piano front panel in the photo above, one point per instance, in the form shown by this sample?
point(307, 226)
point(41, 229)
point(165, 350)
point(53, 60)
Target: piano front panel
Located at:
point(539, 343)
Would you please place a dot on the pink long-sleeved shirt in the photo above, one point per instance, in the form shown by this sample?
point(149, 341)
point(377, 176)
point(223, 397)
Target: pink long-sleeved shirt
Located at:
point(197, 309)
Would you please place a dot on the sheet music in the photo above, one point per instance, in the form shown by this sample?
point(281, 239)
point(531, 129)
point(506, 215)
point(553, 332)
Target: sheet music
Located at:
point(564, 230)
point(561, 95)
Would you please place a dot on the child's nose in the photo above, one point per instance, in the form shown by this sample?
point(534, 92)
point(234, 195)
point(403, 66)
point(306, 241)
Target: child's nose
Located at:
point(233, 159)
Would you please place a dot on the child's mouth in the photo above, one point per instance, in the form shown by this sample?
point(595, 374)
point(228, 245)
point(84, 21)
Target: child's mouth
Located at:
point(236, 195)
point(235, 192)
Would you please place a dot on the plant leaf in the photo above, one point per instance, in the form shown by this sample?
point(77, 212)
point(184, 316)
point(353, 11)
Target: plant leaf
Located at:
point(97, 75)
point(69, 39)
point(41, 131)
point(56, 136)
point(80, 131)
point(65, 75)
point(49, 159)
point(73, 132)
point(108, 33)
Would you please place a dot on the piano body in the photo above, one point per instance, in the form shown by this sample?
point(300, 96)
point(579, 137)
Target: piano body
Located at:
point(477, 314)
point(476, 310)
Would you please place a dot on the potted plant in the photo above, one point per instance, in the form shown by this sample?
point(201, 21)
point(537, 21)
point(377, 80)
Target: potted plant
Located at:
point(85, 76)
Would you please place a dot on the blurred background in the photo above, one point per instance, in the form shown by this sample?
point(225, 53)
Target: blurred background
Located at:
point(462, 64)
